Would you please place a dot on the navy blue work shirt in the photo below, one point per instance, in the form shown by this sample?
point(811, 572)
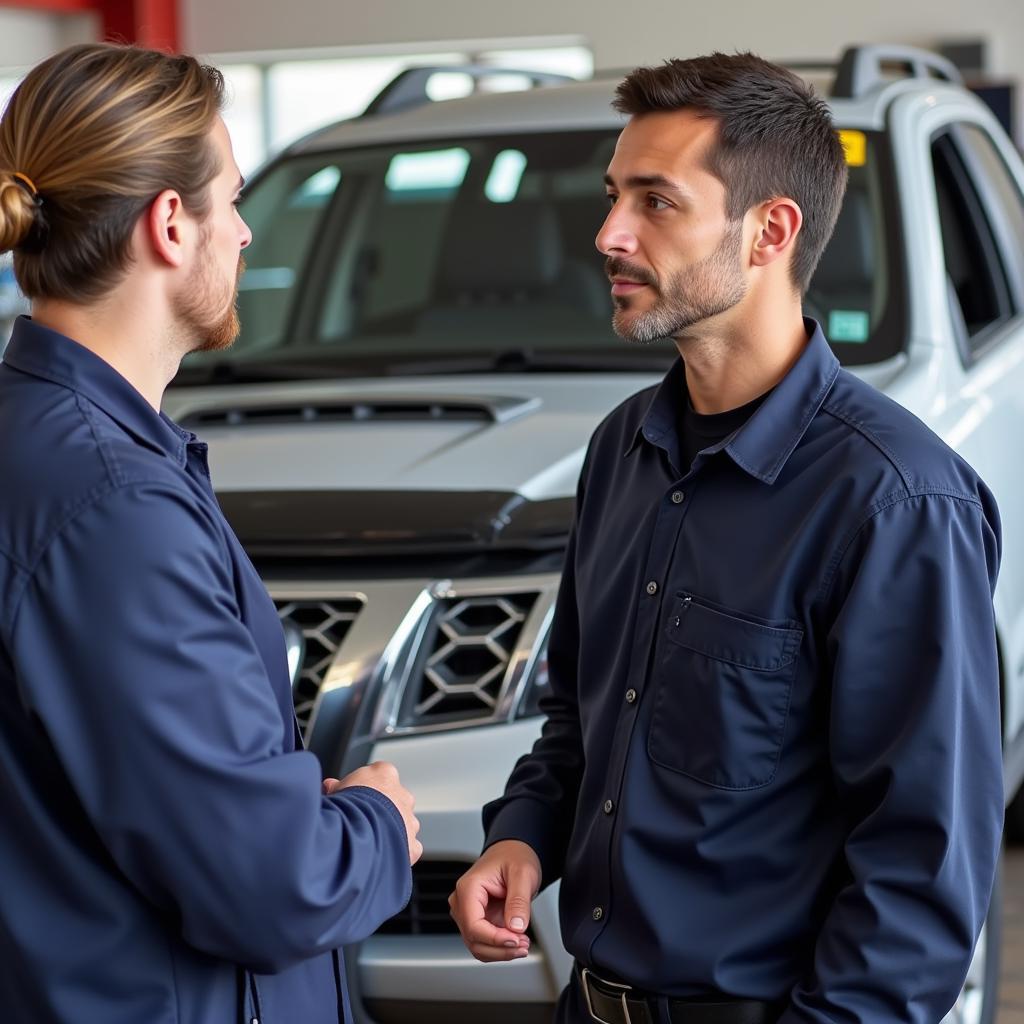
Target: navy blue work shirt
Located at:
point(166, 854)
point(771, 765)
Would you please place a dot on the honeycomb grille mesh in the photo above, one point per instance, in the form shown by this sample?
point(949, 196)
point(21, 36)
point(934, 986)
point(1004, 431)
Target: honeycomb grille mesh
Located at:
point(314, 630)
point(462, 669)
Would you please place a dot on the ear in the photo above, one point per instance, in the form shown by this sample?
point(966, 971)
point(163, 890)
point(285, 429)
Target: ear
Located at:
point(168, 228)
point(778, 224)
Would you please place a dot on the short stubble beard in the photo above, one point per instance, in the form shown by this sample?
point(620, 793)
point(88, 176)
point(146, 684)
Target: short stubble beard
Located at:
point(705, 289)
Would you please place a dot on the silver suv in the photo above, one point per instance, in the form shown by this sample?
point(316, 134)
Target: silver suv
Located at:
point(427, 348)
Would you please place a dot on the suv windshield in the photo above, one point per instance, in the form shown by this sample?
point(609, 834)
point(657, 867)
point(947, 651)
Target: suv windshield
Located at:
point(478, 254)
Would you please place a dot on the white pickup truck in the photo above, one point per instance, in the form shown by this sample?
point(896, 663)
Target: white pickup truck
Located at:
point(426, 350)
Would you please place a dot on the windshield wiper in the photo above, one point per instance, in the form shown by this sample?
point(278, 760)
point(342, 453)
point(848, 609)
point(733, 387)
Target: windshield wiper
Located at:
point(529, 361)
point(241, 372)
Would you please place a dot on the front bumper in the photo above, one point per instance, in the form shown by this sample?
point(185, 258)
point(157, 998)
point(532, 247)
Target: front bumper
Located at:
point(433, 976)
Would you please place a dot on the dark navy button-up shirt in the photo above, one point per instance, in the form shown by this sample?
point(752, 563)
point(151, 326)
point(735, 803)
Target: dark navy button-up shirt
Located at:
point(163, 844)
point(771, 764)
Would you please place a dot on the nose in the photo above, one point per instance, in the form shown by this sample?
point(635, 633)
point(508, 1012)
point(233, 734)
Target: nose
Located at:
point(616, 237)
point(246, 236)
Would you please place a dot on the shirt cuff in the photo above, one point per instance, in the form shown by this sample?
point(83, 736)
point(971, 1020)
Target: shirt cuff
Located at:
point(529, 822)
point(378, 799)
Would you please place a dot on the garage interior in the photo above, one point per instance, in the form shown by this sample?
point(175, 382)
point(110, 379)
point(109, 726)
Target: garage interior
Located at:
point(294, 68)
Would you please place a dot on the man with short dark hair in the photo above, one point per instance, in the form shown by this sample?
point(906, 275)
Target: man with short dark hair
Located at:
point(168, 851)
point(770, 777)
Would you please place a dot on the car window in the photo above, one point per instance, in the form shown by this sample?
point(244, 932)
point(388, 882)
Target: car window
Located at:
point(1002, 195)
point(284, 215)
point(463, 252)
point(979, 295)
point(856, 291)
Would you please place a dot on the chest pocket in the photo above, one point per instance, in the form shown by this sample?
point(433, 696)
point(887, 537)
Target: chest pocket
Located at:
point(723, 686)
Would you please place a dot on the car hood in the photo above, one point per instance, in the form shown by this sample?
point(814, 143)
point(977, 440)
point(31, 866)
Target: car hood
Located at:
point(458, 463)
point(522, 434)
point(429, 464)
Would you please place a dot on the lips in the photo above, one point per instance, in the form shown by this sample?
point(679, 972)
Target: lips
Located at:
point(623, 286)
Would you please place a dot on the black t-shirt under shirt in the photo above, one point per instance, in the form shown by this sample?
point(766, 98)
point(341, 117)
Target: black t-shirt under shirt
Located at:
point(697, 431)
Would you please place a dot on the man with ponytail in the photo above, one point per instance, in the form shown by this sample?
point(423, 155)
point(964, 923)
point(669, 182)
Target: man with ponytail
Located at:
point(168, 852)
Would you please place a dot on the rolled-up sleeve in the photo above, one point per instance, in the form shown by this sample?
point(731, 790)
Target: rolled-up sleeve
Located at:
point(916, 761)
point(133, 658)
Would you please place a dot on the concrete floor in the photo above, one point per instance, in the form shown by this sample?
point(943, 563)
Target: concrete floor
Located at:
point(1011, 992)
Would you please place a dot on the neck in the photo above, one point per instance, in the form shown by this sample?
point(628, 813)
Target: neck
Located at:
point(124, 332)
point(731, 364)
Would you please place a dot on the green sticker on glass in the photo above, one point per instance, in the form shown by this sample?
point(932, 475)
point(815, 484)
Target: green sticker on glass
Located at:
point(848, 325)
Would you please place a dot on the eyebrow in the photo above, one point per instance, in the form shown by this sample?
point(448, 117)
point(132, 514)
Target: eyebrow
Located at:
point(649, 181)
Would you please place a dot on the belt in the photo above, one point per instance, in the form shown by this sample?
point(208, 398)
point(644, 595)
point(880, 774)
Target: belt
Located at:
point(610, 1002)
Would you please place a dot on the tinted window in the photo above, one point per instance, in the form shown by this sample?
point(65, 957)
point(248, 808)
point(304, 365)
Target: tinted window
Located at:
point(284, 214)
point(1001, 193)
point(461, 252)
point(977, 281)
point(856, 291)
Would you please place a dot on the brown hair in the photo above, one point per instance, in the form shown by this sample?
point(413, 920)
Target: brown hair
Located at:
point(775, 138)
point(88, 140)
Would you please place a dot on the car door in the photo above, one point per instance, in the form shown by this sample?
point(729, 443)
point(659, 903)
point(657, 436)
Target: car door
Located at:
point(979, 192)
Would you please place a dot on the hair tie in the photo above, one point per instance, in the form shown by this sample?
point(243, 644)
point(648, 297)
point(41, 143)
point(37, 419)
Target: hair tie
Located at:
point(27, 184)
point(35, 240)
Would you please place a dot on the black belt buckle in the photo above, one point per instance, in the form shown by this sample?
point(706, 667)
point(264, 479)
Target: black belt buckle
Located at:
point(585, 975)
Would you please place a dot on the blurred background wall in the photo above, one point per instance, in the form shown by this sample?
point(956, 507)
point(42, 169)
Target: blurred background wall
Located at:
point(618, 33)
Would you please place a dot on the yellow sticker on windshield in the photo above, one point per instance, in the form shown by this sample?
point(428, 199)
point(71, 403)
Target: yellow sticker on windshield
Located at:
point(855, 146)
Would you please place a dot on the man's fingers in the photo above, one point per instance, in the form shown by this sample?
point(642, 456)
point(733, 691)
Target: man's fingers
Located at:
point(521, 889)
point(469, 904)
point(484, 934)
point(495, 954)
point(331, 786)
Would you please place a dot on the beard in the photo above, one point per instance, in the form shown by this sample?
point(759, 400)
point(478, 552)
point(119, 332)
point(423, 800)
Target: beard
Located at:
point(705, 289)
point(208, 314)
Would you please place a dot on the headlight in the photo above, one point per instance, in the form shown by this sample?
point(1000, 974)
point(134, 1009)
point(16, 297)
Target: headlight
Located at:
point(538, 683)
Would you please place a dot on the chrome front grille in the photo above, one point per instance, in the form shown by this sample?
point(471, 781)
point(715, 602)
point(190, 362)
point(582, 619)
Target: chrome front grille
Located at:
point(471, 645)
point(314, 632)
point(418, 655)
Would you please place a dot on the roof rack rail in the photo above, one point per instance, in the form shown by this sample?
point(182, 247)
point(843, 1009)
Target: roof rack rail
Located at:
point(810, 64)
point(408, 88)
point(861, 68)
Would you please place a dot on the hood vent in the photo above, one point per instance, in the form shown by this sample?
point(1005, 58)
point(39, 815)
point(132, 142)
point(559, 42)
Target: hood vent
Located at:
point(362, 409)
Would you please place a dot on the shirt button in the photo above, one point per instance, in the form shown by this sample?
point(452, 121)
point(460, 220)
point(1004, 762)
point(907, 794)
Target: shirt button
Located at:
point(597, 913)
point(609, 806)
point(677, 497)
point(631, 696)
point(652, 588)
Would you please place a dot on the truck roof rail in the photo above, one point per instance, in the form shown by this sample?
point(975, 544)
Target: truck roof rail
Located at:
point(408, 88)
point(861, 68)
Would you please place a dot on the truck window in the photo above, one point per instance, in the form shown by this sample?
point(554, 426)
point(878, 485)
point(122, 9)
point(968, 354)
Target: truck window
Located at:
point(1000, 191)
point(284, 214)
point(979, 294)
point(456, 254)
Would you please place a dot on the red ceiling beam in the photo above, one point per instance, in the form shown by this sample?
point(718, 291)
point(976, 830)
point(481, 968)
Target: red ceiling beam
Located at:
point(53, 6)
point(151, 23)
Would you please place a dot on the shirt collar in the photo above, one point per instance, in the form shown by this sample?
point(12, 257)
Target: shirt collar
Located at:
point(763, 444)
point(658, 426)
point(44, 353)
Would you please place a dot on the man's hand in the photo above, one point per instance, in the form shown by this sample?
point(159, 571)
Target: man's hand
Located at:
point(383, 777)
point(491, 902)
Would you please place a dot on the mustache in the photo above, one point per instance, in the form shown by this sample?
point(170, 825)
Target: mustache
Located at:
point(615, 267)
